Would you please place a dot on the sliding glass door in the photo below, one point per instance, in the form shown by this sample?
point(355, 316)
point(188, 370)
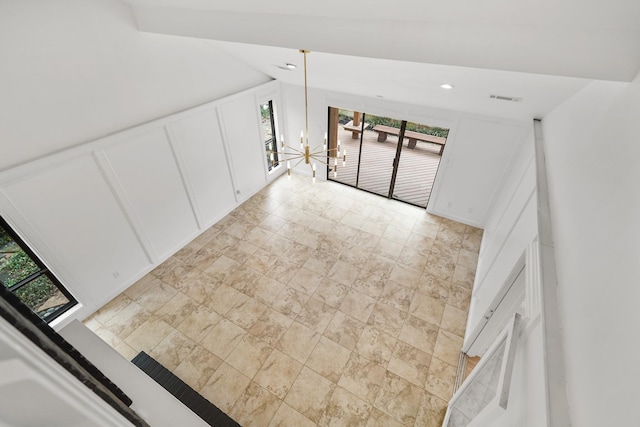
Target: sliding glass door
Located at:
point(387, 156)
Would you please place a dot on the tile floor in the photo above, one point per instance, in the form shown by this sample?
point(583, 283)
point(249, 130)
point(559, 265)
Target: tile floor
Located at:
point(310, 304)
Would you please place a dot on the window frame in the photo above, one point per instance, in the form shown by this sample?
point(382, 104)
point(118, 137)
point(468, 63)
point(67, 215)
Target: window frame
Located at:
point(273, 141)
point(43, 271)
point(510, 336)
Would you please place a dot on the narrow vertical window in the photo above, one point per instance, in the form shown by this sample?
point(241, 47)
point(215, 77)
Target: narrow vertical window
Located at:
point(22, 273)
point(269, 134)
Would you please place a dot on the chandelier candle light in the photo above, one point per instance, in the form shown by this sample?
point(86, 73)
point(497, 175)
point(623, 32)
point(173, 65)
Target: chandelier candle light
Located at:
point(309, 156)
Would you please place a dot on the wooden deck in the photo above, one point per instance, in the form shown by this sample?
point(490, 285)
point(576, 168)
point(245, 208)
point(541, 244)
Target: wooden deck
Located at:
point(416, 172)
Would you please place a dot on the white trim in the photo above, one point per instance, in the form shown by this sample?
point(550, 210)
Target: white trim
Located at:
point(183, 170)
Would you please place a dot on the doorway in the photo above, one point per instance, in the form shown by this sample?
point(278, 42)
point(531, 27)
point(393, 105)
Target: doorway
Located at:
point(386, 156)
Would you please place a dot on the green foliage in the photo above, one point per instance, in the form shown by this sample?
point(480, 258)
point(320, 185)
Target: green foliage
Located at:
point(345, 116)
point(36, 292)
point(16, 267)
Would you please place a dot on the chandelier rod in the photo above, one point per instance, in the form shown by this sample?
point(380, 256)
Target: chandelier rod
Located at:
point(306, 102)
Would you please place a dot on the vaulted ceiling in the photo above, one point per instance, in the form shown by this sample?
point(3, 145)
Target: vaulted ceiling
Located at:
point(542, 51)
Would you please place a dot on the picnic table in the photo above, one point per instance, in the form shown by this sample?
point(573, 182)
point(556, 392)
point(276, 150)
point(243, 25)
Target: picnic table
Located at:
point(413, 137)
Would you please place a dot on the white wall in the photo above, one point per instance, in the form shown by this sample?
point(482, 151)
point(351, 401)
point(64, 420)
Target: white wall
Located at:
point(103, 214)
point(592, 148)
point(510, 228)
point(474, 162)
point(76, 70)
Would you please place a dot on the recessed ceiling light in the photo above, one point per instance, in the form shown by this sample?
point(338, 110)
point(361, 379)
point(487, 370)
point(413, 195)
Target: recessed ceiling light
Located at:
point(446, 86)
point(291, 66)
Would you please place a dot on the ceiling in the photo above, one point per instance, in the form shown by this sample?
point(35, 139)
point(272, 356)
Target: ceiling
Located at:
point(542, 52)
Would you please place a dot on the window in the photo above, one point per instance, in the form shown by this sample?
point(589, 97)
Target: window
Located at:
point(22, 273)
point(486, 391)
point(269, 134)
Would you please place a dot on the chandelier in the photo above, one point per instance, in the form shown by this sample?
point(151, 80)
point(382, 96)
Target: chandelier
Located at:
point(319, 154)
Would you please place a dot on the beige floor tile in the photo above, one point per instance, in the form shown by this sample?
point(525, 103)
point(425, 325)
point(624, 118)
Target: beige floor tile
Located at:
point(420, 334)
point(343, 272)
point(173, 349)
point(197, 367)
point(379, 265)
point(345, 409)
point(255, 407)
point(388, 319)
point(362, 377)
point(202, 259)
point(329, 359)
point(310, 394)
point(200, 289)
point(358, 305)
point(432, 411)
point(397, 295)
point(399, 398)
point(331, 292)
point(380, 419)
point(249, 355)
point(282, 270)
point(223, 338)
point(306, 281)
point(242, 280)
point(286, 416)
point(271, 326)
point(440, 379)
point(427, 308)
point(278, 373)
point(266, 290)
point(448, 347)
point(369, 284)
point(161, 294)
point(463, 276)
point(290, 301)
point(441, 268)
point(224, 387)
point(246, 311)
point(345, 330)
point(223, 298)
point(352, 262)
point(198, 323)
point(320, 262)
point(406, 276)
point(148, 335)
point(176, 309)
point(410, 363)
point(434, 287)
point(128, 319)
point(113, 307)
point(298, 342)
point(459, 297)
point(454, 320)
point(376, 345)
point(316, 315)
point(468, 259)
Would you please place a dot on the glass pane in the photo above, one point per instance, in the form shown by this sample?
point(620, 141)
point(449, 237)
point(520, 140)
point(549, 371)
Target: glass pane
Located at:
point(379, 144)
point(266, 117)
point(480, 392)
point(15, 264)
point(349, 141)
point(42, 296)
point(418, 163)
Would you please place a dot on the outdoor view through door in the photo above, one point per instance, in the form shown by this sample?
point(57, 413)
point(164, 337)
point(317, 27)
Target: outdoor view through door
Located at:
point(380, 164)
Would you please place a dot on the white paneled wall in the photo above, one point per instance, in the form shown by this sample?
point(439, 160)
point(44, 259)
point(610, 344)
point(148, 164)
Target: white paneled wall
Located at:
point(105, 213)
point(510, 229)
point(239, 124)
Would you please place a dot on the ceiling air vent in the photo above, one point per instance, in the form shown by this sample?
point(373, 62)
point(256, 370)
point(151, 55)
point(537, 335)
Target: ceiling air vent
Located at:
point(505, 98)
